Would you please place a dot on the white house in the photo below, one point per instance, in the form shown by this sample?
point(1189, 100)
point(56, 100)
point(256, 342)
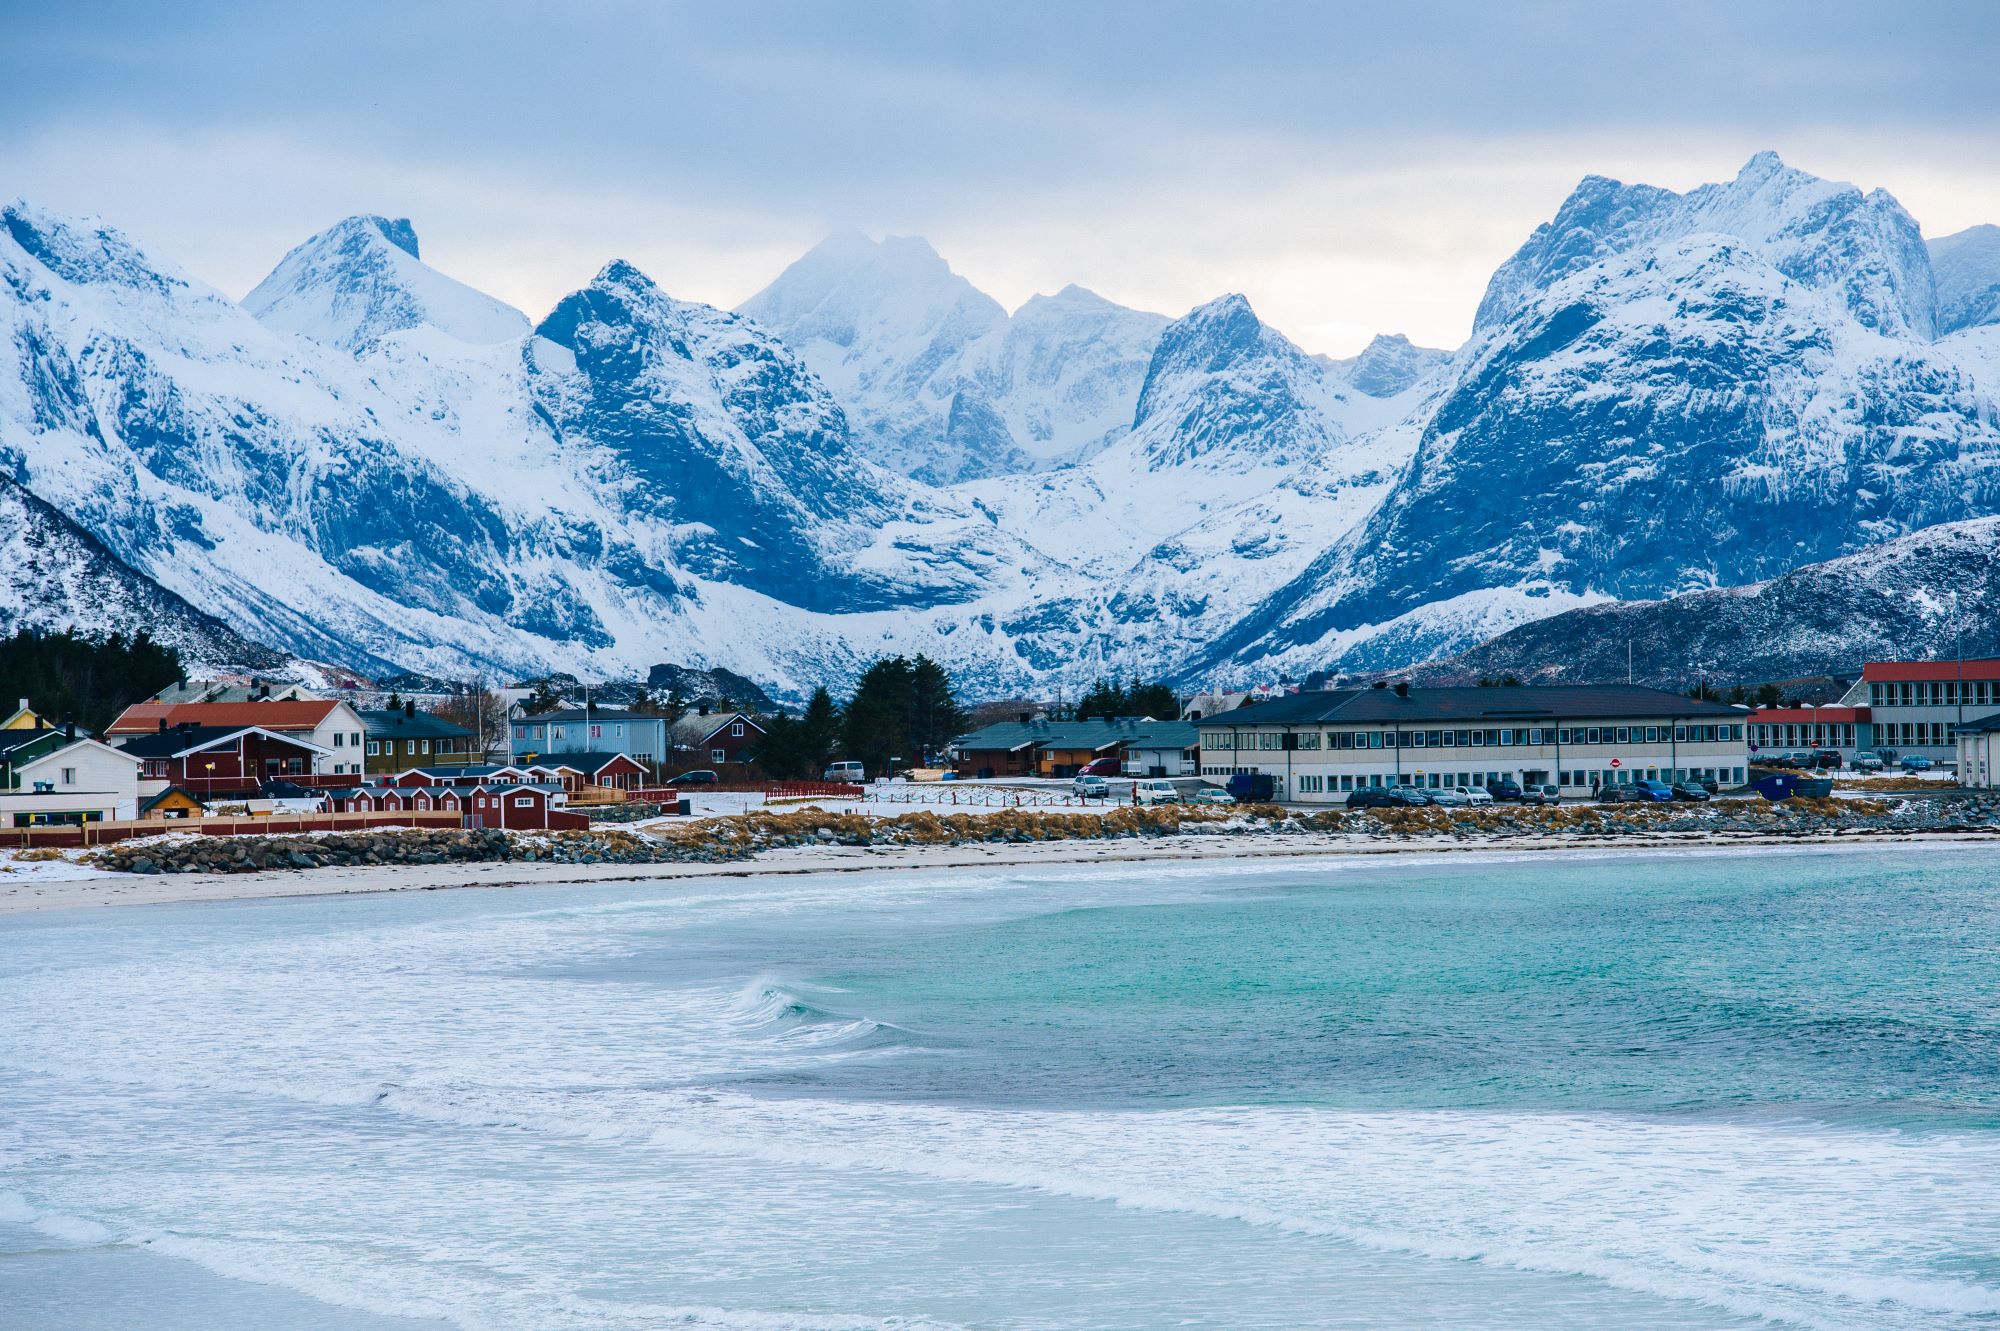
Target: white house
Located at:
point(82, 781)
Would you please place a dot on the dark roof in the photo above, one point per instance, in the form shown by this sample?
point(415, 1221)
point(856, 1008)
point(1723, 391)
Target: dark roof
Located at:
point(1007, 736)
point(167, 743)
point(12, 741)
point(594, 714)
point(424, 725)
point(588, 763)
point(1529, 702)
point(160, 798)
point(1985, 725)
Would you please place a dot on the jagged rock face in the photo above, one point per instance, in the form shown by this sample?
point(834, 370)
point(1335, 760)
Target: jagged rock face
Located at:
point(362, 280)
point(1824, 235)
point(1655, 406)
point(646, 474)
point(62, 577)
point(1926, 595)
point(1390, 364)
point(939, 382)
point(712, 427)
point(1968, 278)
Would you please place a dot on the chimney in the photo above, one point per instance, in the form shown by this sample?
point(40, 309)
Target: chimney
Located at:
point(69, 732)
point(163, 725)
point(24, 704)
point(1026, 717)
point(1402, 689)
point(1380, 684)
point(410, 710)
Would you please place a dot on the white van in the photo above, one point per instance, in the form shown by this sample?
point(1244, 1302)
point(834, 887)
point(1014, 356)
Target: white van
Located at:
point(849, 773)
point(1155, 792)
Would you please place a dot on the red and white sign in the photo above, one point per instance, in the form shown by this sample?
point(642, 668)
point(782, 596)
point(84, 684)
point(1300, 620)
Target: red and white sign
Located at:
point(1616, 763)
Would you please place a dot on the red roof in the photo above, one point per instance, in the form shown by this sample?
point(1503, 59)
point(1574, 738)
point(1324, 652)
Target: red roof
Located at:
point(144, 718)
point(1933, 670)
point(1783, 715)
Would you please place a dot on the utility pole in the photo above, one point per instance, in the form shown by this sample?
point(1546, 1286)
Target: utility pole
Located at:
point(1628, 660)
point(1958, 650)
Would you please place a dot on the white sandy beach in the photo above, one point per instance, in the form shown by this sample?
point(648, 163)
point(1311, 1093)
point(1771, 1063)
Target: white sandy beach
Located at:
point(63, 885)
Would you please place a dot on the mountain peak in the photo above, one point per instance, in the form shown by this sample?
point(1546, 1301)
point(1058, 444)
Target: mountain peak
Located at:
point(363, 279)
point(83, 250)
point(398, 233)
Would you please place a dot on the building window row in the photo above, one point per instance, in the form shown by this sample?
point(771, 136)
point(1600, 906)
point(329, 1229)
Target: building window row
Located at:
point(1268, 741)
point(1934, 693)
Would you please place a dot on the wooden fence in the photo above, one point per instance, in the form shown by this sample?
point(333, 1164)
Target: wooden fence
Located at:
point(103, 833)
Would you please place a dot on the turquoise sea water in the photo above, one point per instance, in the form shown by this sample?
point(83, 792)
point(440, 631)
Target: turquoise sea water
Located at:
point(1685, 1090)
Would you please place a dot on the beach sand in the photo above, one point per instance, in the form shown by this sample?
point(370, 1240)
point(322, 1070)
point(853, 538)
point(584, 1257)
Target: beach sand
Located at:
point(63, 886)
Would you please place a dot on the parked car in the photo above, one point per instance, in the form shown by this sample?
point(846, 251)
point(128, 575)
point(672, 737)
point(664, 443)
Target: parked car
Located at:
point(851, 773)
point(1868, 762)
point(1371, 799)
point(1657, 791)
point(1091, 787)
point(1505, 791)
point(1541, 794)
point(1211, 795)
point(1827, 759)
point(700, 777)
point(1615, 794)
point(1692, 790)
point(1916, 762)
point(1155, 792)
point(1410, 796)
point(1102, 767)
point(1476, 795)
point(1451, 797)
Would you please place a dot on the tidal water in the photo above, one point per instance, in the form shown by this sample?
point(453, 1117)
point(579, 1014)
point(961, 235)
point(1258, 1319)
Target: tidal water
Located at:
point(1676, 1090)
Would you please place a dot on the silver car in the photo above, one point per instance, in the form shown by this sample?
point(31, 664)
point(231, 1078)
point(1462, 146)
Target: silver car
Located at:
point(1091, 788)
point(1451, 797)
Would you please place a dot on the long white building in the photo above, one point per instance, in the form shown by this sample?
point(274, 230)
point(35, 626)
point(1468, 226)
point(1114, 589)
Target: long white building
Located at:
point(1319, 746)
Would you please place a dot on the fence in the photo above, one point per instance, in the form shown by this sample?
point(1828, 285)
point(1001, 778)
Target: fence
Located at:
point(104, 833)
point(803, 790)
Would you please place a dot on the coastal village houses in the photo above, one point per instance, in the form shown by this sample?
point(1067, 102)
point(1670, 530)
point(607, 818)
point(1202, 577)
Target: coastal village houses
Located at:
point(588, 729)
point(1022, 747)
point(1320, 745)
point(330, 733)
point(400, 738)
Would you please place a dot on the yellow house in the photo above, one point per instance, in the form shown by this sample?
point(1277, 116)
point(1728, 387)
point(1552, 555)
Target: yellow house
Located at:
point(24, 718)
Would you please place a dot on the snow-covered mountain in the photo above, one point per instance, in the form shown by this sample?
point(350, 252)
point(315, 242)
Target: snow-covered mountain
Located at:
point(1967, 265)
point(1666, 392)
point(1925, 595)
point(1389, 365)
point(362, 279)
point(383, 469)
point(940, 382)
point(638, 476)
point(59, 576)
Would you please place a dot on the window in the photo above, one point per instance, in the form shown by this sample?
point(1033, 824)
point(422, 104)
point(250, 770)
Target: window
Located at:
point(1624, 734)
point(736, 730)
point(69, 776)
point(374, 747)
point(1534, 735)
point(1418, 738)
point(1309, 739)
point(597, 732)
point(339, 739)
point(524, 801)
point(1506, 737)
point(718, 756)
point(354, 740)
point(423, 746)
point(1270, 740)
point(1374, 739)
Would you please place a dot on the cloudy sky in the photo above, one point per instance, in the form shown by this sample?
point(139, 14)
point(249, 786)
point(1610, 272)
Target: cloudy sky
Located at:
point(1352, 169)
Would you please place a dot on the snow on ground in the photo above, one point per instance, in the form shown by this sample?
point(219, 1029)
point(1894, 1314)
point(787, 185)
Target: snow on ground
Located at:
point(897, 798)
point(45, 866)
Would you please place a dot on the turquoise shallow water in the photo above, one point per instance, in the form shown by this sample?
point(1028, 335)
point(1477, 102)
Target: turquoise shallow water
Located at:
point(1665, 1090)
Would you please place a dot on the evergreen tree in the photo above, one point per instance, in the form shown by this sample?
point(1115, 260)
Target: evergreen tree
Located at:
point(1158, 701)
point(89, 681)
point(1103, 700)
point(875, 725)
point(781, 753)
point(395, 703)
point(935, 718)
point(819, 731)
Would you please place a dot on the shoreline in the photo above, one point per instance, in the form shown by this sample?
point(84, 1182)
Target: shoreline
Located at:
point(35, 893)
